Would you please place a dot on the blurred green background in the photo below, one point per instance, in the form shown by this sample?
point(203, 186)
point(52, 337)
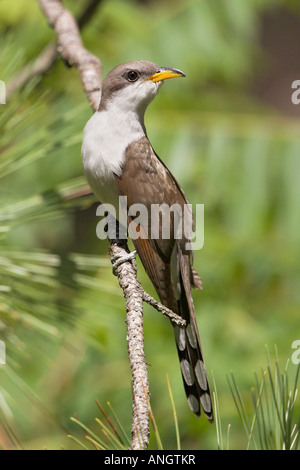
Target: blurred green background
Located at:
point(229, 133)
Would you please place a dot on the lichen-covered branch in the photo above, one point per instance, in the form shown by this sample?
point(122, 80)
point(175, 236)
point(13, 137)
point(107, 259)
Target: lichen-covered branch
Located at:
point(133, 294)
point(72, 51)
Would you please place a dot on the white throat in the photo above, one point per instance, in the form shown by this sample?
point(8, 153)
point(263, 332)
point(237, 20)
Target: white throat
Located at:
point(107, 135)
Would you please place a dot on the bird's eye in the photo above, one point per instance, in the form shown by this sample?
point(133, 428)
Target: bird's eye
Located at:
point(132, 76)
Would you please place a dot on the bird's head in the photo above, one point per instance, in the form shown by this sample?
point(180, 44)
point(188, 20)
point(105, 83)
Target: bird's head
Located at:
point(133, 85)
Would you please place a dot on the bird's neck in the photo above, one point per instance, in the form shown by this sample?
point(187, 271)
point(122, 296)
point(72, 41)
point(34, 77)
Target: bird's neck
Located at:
point(130, 117)
point(122, 126)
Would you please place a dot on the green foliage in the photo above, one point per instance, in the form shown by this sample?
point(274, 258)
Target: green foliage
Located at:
point(61, 312)
point(113, 435)
point(275, 422)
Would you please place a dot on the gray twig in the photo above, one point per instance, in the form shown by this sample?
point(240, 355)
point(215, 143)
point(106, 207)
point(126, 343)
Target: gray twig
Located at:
point(133, 294)
point(72, 51)
point(164, 310)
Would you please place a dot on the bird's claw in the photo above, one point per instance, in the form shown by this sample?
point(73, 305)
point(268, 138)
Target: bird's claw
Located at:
point(117, 260)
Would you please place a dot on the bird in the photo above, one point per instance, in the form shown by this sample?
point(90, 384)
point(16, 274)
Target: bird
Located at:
point(119, 161)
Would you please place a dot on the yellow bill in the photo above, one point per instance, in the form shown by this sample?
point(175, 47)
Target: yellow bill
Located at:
point(166, 73)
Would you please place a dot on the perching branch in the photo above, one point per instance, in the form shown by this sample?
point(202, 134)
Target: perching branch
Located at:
point(130, 286)
point(135, 295)
point(72, 51)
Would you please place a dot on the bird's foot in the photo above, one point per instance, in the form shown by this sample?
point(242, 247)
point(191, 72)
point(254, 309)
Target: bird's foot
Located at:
point(117, 260)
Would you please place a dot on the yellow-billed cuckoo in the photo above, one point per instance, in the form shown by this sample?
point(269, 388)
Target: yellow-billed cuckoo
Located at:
point(119, 160)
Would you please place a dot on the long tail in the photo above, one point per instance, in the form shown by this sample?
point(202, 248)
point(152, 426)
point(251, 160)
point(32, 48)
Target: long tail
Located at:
point(187, 337)
point(189, 347)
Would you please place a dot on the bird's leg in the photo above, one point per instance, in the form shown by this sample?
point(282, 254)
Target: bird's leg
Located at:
point(117, 260)
point(119, 237)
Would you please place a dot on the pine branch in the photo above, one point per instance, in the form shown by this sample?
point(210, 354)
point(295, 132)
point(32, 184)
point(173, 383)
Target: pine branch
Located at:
point(133, 294)
point(38, 66)
point(72, 51)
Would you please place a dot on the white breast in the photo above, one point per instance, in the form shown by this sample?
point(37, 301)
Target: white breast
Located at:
point(106, 136)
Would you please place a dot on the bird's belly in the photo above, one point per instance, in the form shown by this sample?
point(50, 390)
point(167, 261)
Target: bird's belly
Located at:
point(104, 188)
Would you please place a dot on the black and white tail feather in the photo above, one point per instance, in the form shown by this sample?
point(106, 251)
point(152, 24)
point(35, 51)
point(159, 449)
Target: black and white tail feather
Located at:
point(188, 344)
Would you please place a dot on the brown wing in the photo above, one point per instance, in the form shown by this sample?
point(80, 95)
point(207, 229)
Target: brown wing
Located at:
point(145, 180)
